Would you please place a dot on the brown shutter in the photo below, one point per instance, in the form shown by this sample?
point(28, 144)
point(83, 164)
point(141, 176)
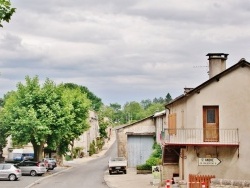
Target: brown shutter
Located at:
point(172, 123)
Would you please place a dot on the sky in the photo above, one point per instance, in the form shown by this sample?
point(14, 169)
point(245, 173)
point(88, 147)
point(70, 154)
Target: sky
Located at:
point(121, 50)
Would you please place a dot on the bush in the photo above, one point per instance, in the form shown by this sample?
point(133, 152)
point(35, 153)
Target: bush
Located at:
point(157, 153)
point(154, 159)
point(143, 167)
point(68, 157)
point(100, 143)
point(77, 151)
point(92, 149)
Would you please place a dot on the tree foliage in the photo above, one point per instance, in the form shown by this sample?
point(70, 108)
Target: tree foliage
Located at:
point(96, 101)
point(47, 114)
point(134, 111)
point(6, 11)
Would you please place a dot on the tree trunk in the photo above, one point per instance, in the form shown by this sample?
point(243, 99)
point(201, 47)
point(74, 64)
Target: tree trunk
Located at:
point(72, 150)
point(1, 154)
point(59, 158)
point(38, 151)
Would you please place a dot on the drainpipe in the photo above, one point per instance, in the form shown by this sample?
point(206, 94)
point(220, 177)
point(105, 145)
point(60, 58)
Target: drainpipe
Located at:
point(182, 163)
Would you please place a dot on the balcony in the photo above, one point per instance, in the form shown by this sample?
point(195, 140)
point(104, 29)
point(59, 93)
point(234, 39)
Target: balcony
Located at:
point(203, 137)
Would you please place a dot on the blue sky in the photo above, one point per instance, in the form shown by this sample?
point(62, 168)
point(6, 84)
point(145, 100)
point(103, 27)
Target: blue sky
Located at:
point(122, 50)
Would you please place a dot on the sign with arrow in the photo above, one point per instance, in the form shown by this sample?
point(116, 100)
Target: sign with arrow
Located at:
point(208, 161)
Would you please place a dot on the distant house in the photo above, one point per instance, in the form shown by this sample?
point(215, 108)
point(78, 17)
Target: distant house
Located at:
point(208, 127)
point(135, 141)
point(90, 135)
point(83, 141)
point(160, 125)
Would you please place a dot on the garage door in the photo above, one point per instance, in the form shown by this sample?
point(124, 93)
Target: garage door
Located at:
point(139, 149)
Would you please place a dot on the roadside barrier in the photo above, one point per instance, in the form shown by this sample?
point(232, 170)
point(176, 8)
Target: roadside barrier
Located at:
point(203, 185)
point(168, 183)
point(200, 181)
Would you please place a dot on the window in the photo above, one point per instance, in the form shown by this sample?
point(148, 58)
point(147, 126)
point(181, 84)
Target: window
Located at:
point(210, 115)
point(6, 167)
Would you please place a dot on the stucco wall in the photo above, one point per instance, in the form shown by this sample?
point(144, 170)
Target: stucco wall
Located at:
point(168, 170)
point(232, 94)
point(145, 127)
point(88, 136)
point(121, 138)
point(160, 124)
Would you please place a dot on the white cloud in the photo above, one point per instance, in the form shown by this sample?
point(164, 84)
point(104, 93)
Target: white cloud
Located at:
point(121, 50)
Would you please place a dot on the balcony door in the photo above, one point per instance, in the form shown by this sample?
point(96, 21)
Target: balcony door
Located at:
point(211, 123)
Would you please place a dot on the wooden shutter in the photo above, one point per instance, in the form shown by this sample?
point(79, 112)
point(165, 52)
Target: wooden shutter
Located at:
point(172, 123)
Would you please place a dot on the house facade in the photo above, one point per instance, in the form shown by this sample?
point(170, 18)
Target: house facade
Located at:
point(160, 125)
point(208, 127)
point(135, 141)
point(90, 135)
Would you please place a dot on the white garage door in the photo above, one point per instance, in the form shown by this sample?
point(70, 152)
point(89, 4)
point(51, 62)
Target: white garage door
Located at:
point(139, 149)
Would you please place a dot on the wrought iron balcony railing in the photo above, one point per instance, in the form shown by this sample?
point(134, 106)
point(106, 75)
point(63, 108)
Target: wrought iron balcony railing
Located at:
point(195, 136)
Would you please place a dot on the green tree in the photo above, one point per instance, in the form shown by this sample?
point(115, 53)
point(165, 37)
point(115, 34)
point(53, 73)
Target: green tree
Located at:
point(153, 108)
point(168, 98)
point(41, 115)
point(6, 11)
point(132, 111)
point(96, 101)
point(146, 103)
point(76, 107)
point(115, 106)
point(3, 138)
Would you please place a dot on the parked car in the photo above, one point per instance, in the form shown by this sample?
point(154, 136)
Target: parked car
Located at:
point(117, 164)
point(50, 163)
point(32, 168)
point(10, 171)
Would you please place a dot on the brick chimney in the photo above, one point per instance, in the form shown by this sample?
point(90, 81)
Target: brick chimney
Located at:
point(217, 63)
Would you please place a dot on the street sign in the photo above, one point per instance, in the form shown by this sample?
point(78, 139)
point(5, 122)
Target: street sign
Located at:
point(208, 161)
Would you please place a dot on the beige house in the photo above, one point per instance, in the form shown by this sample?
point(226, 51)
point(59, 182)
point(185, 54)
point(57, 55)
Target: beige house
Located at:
point(135, 141)
point(160, 125)
point(90, 135)
point(208, 127)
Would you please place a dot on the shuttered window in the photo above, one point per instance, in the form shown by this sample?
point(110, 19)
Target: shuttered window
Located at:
point(172, 123)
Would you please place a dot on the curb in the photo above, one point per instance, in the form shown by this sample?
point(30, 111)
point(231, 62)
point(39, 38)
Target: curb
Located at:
point(54, 174)
point(105, 149)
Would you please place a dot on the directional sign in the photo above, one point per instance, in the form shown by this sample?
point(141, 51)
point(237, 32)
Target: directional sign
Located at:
point(208, 161)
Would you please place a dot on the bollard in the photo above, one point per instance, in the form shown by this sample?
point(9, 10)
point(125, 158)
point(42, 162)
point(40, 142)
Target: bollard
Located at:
point(167, 184)
point(203, 185)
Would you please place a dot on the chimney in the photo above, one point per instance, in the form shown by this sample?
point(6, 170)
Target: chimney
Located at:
point(187, 89)
point(217, 63)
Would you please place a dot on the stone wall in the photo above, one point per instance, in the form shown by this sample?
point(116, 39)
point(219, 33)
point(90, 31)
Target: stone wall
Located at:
point(121, 138)
point(228, 183)
point(168, 170)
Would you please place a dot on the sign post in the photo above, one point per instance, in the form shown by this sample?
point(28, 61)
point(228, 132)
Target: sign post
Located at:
point(208, 161)
point(156, 175)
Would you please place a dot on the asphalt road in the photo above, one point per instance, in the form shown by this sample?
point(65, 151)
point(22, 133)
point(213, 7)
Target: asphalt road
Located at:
point(86, 175)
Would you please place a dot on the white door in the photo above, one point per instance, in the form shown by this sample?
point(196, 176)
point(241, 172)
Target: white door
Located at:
point(139, 149)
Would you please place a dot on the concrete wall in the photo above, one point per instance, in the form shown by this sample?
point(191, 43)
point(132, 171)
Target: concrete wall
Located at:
point(229, 183)
point(144, 127)
point(160, 124)
point(168, 170)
